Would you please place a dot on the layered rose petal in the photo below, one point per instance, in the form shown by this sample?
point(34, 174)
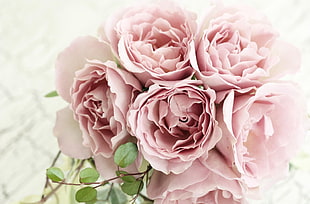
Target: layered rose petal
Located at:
point(262, 131)
point(101, 95)
point(238, 48)
point(196, 185)
point(153, 41)
point(74, 58)
point(174, 124)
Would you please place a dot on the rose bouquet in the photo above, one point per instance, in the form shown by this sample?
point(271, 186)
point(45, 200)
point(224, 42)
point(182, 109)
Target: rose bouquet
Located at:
point(172, 111)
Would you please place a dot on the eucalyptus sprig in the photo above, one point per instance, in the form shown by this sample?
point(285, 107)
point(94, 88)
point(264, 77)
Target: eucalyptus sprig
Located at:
point(130, 183)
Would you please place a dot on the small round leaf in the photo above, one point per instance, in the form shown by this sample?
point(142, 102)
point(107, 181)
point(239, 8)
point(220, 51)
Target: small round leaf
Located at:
point(86, 194)
point(119, 173)
point(132, 188)
point(55, 174)
point(126, 154)
point(89, 175)
point(122, 176)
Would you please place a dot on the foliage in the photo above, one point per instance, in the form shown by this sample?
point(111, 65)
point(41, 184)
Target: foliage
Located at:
point(80, 181)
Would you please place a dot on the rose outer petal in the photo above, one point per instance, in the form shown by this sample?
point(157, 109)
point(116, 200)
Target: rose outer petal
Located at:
point(107, 167)
point(69, 135)
point(74, 58)
point(196, 182)
point(289, 58)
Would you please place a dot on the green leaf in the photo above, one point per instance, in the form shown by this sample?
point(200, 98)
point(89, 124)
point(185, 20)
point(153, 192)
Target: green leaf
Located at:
point(132, 188)
point(128, 178)
point(51, 94)
point(119, 173)
point(126, 154)
point(55, 174)
point(91, 202)
point(86, 194)
point(117, 197)
point(89, 175)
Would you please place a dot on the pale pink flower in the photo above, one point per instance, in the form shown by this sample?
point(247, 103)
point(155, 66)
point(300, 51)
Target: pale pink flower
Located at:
point(99, 95)
point(237, 48)
point(153, 41)
point(174, 124)
point(262, 131)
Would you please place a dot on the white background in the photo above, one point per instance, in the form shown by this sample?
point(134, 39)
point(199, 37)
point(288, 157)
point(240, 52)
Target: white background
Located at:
point(33, 32)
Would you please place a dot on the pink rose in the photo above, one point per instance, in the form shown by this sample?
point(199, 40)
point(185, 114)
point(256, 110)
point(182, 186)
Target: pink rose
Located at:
point(262, 131)
point(197, 185)
point(153, 41)
point(99, 94)
point(238, 48)
point(174, 124)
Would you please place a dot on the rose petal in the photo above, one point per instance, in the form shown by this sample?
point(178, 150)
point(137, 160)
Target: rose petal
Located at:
point(289, 58)
point(69, 135)
point(196, 183)
point(107, 167)
point(74, 58)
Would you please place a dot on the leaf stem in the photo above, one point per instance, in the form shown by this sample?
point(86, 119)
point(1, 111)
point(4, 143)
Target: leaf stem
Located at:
point(101, 183)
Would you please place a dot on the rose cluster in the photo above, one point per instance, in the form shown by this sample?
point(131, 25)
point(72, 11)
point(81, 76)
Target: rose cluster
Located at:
point(203, 102)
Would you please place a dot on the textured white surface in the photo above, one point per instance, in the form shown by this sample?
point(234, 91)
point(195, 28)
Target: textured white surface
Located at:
point(33, 32)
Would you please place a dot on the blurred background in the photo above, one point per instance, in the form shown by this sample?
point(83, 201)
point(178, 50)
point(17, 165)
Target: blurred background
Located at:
point(33, 32)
